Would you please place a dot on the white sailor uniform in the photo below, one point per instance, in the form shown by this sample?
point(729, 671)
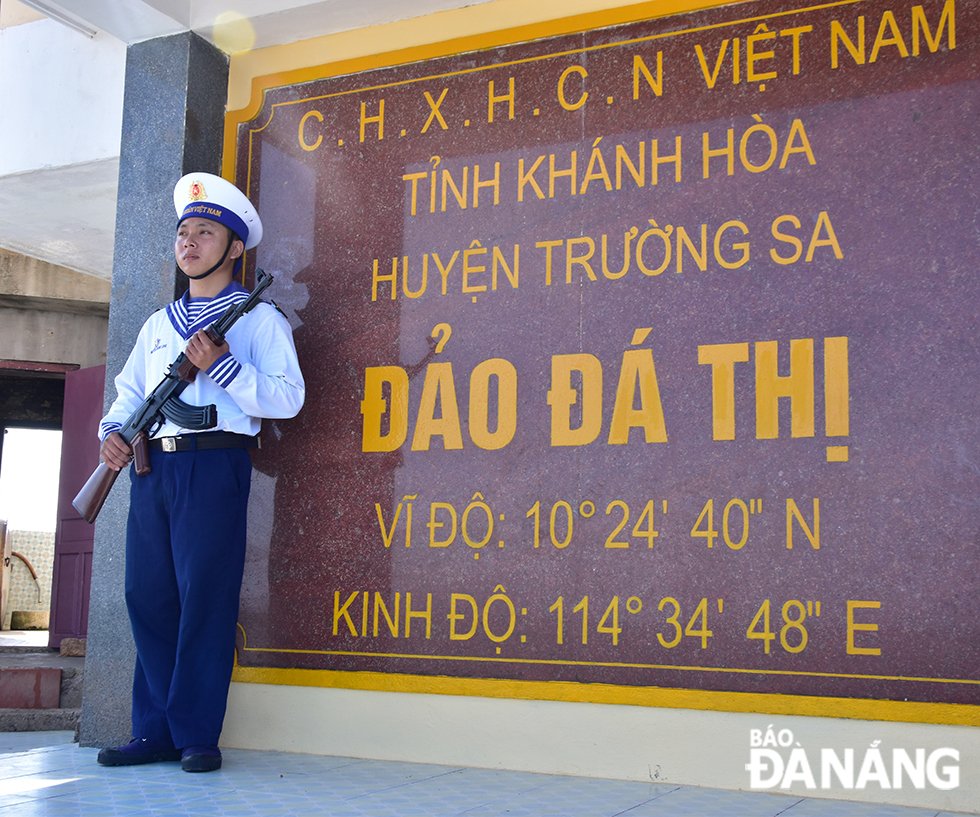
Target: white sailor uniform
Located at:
point(185, 545)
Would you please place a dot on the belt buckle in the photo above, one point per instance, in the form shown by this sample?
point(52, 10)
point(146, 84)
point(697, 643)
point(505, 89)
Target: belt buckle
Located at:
point(168, 444)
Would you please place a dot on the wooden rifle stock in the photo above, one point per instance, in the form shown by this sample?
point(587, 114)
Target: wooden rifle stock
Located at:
point(91, 498)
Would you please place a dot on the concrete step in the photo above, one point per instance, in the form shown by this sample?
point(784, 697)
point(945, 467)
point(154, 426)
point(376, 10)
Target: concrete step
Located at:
point(40, 720)
point(40, 690)
point(30, 688)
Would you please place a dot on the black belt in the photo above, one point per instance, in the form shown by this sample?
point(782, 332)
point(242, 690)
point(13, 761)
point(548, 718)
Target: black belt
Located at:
point(198, 442)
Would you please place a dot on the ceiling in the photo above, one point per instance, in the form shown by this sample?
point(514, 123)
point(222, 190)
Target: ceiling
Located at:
point(76, 230)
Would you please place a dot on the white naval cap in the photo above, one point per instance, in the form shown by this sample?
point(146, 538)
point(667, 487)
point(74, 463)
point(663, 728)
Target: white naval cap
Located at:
point(204, 195)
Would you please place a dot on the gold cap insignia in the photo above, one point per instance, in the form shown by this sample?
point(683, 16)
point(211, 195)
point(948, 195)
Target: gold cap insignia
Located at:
point(197, 192)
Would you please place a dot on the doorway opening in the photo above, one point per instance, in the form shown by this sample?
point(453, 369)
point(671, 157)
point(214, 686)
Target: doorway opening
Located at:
point(30, 467)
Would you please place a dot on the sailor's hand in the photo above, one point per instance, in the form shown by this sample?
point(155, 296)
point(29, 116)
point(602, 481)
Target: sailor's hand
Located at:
point(202, 352)
point(114, 452)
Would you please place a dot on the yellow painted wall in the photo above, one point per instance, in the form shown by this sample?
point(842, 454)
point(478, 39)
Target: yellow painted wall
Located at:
point(397, 710)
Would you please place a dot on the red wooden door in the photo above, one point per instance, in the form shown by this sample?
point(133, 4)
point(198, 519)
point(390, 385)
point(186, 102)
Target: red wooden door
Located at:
point(74, 537)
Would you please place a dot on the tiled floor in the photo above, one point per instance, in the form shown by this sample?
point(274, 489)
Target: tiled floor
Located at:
point(46, 775)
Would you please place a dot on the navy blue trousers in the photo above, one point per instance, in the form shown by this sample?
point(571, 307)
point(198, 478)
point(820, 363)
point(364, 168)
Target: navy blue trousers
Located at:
point(185, 555)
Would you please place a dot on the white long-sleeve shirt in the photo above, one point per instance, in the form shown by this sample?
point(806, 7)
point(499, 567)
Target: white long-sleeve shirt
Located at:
point(259, 377)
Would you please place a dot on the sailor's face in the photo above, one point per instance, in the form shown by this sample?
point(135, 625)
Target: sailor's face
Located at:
point(199, 245)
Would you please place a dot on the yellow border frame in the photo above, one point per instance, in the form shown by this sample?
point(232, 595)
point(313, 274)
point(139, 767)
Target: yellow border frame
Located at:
point(777, 704)
point(249, 69)
point(663, 697)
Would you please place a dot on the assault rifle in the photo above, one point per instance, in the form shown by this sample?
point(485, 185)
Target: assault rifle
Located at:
point(164, 403)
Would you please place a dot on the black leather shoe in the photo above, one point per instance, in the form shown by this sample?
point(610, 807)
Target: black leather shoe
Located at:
point(200, 759)
point(138, 751)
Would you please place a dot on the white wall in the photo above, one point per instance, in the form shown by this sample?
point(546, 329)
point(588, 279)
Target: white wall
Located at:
point(681, 746)
point(61, 94)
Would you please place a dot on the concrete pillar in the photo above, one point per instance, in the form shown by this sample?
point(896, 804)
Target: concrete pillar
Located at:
point(173, 117)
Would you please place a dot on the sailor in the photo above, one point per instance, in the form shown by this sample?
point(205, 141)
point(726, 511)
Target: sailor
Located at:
point(185, 543)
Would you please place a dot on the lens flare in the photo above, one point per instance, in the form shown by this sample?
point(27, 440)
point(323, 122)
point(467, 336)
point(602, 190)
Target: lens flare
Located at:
point(233, 33)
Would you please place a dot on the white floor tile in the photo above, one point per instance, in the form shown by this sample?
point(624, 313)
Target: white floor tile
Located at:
point(63, 780)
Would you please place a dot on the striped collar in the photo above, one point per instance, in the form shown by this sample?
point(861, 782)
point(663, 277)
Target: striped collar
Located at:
point(187, 319)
